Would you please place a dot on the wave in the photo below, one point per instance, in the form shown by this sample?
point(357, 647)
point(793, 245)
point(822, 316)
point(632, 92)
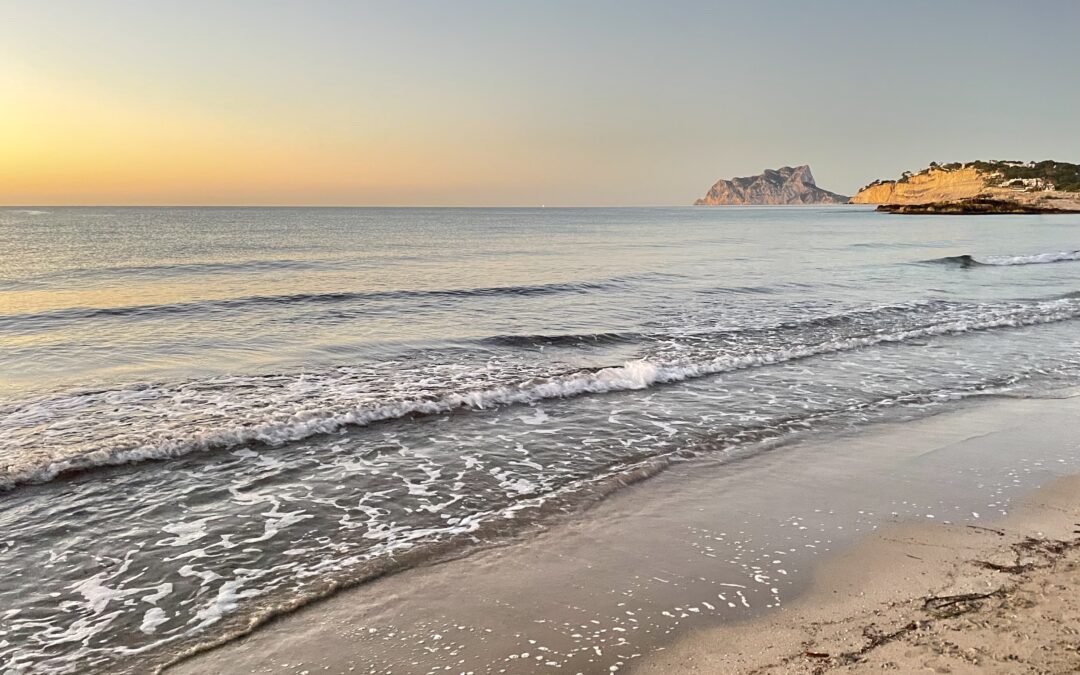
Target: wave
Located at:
point(226, 304)
point(182, 269)
point(1037, 259)
point(534, 513)
point(562, 340)
point(739, 290)
point(954, 261)
point(632, 375)
point(869, 315)
point(1007, 260)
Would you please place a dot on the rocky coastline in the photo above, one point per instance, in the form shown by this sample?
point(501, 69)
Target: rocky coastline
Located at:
point(979, 188)
point(977, 206)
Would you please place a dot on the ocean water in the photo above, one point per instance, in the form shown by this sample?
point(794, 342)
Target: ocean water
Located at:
point(209, 417)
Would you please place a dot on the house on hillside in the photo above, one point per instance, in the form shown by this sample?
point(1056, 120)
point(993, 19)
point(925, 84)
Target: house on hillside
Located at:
point(1029, 185)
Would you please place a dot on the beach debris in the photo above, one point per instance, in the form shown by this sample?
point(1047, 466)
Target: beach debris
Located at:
point(954, 605)
point(1037, 551)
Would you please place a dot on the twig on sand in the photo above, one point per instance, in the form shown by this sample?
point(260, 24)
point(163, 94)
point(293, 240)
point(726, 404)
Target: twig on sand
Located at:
point(1007, 569)
point(954, 605)
point(1031, 553)
point(875, 637)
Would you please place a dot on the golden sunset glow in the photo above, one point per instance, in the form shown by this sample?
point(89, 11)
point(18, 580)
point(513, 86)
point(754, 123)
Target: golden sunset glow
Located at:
point(72, 144)
point(537, 336)
point(518, 104)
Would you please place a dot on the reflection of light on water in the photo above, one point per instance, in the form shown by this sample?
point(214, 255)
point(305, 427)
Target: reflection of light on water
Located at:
point(300, 398)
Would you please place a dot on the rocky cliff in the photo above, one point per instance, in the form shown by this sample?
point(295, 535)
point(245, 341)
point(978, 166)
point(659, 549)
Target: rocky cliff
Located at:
point(788, 185)
point(934, 185)
point(980, 188)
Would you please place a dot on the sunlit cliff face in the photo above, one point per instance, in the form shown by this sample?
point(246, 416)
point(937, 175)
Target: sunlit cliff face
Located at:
point(935, 185)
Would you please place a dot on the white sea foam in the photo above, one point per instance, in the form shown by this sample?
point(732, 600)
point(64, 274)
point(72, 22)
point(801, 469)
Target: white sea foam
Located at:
point(632, 375)
point(160, 591)
point(153, 618)
point(185, 533)
point(228, 595)
point(1061, 256)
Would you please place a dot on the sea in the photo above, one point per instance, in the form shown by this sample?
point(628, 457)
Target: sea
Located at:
point(211, 417)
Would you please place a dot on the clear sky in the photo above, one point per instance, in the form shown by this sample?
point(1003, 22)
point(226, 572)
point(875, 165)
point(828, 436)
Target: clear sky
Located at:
point(516, 102)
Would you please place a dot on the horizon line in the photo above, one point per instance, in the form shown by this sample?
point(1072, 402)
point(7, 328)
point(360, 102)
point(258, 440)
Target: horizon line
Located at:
point(407, 206)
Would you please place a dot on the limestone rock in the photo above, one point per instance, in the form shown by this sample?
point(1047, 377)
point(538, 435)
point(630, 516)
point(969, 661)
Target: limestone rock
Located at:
point(787, 185)
point(934, 185)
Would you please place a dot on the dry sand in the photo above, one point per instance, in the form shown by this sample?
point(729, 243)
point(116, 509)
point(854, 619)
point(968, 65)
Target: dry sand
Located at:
point(928, 598)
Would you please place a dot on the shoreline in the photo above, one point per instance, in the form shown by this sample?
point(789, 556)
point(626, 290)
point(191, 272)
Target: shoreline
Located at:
point(655, 577)
point(980, 206)
point(989, 202)
point(923, 597)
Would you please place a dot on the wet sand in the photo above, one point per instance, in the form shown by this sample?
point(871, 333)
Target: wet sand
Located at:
point(936, 599)
point(722, 566)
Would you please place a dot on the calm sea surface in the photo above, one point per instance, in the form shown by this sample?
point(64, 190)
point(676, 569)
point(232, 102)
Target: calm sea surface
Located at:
point(210, 416)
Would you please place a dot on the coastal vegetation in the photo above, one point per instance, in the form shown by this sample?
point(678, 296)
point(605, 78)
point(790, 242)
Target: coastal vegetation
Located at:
point(1045, 175)
point(979, 187)
point(1063, 176)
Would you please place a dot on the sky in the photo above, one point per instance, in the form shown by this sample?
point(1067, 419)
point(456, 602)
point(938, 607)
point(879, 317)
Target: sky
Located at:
point(492, 103)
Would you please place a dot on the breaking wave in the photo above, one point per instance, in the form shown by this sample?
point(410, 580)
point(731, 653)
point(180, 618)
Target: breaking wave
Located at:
point(531, 512)
point(1007, 260)
point(638, 374)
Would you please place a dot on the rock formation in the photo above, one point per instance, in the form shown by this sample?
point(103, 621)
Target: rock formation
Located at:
point(788, 185)
point(984, 206)
point(979, 188)
point(933, 186)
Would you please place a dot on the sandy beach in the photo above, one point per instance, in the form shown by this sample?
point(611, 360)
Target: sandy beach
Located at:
point(926, 598)
point(515, 338)
point(933, 544)
point(573, 441)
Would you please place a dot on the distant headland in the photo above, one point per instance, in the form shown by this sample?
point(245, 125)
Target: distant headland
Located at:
point(979, 188)
point(783, 186)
